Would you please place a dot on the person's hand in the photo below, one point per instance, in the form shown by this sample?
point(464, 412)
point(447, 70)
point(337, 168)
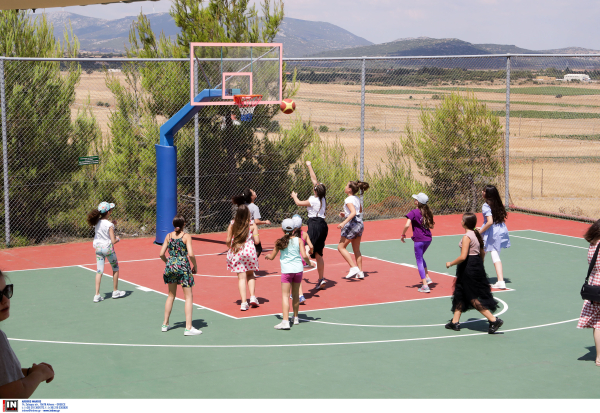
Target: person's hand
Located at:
point(194, 270)
point(118, 239)
point(45, 369)
point(294, 194)
point(448, 265)
point(311, 251)
point(342, 214)
point(114, 222)
point(340, 226)
point(267, 222)
point(402, 238)
point(308, 163)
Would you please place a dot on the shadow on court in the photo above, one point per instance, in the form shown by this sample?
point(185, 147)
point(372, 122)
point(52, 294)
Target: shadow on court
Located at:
point(195, 323)
point(590, 356)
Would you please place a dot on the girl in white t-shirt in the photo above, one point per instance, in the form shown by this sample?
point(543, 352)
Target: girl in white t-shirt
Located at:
point(352, 227)
point(104, 241)
point(316, 206)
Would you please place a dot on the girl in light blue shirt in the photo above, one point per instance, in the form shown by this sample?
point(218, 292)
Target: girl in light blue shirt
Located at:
point(292, 252)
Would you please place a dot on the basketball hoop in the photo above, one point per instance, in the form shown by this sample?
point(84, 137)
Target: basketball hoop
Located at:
point(246, 103)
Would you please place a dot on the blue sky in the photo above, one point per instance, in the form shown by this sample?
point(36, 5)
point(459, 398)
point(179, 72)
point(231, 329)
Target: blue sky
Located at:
point(532, 24)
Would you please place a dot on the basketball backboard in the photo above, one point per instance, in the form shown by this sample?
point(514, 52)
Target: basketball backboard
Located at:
point(247, 68)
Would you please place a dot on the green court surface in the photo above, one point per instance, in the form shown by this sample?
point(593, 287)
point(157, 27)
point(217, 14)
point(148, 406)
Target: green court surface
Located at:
point(395, 350)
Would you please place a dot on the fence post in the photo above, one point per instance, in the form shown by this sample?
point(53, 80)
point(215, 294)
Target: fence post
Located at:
point(196, 160)
point(362, 121)
point(507, 135)
point(4, 153)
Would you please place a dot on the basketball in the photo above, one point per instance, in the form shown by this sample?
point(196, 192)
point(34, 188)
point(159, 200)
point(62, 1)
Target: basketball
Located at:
point(287, 106)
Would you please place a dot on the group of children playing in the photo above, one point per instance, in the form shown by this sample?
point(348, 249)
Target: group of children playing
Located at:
point(471, 290)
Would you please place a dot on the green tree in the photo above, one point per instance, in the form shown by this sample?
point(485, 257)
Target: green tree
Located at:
point(457, 147)
point(231, 156)
point(43, 140)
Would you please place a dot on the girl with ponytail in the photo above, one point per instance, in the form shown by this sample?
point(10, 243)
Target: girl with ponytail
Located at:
point(471, 286)
point(179, 272)
point(421, 219)
point(247, 197)
point(352, 227)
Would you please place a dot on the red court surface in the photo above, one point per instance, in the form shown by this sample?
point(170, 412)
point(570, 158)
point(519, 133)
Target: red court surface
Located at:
point(216, 288)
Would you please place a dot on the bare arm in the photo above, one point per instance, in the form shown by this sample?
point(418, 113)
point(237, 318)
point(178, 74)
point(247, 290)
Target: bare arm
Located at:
point(24, 388)
point(350, 216)
point(188, 243)
point(488, 224)
point(113, 238)
point(313, 176)
point(464, 252)
point(303, 253)
point(229, 235)
point(259, 222)
point(163, 249)
point(298, 202)
point(406, 226)
point(272, 255)
point(306, 239)
point(255, 236)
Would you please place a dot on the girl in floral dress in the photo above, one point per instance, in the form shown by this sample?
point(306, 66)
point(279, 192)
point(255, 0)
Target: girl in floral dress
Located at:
point(178, 271)
point(590, 313)
point(242, 234)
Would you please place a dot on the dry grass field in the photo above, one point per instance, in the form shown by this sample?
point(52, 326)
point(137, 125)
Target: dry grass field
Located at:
point(568, 164)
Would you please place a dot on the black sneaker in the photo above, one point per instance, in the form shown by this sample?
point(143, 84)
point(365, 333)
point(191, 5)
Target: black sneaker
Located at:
point(320, 283)
point(453, 326)
point(494, 326)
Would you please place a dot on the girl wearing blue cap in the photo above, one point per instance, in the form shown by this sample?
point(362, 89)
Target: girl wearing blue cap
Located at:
point(104, 241)
point(292, 270)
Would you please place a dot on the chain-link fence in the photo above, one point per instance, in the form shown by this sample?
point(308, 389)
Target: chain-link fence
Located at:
point(393, 122)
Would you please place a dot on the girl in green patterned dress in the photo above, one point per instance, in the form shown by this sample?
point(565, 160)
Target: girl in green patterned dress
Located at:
point(178, 271)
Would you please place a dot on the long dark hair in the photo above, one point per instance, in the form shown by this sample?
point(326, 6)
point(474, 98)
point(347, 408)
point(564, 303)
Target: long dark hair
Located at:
point(427, 215)
point(283, 242)
point(356, 186)
point(94, 216)
point(244, 198)
point(321, 192)
point(178, 223)
point(593, 232)
point(492, 197)
point(470, 221)
point(240, 228)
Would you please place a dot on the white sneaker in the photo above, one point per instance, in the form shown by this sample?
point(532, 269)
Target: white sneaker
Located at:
point(253, 302)
point(118, 294)
point(284, 325)
point(296, 321)
point(353, 271)
point(424, 289)
point(500, 285)
point(98, 298)
point(244, 306)
point(360, 275)
point(192, 332)
point(165, 327)
point(428, 280)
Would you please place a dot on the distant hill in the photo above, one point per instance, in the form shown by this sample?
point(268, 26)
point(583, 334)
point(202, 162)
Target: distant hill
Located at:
point(299, 37)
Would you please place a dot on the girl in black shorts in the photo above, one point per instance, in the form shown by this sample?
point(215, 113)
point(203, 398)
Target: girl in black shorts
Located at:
point(317, 227)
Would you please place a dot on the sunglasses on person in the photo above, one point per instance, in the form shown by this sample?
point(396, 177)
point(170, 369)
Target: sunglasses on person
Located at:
point(7, 292)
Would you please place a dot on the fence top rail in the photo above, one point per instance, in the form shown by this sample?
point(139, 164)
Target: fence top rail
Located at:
point(298, 59)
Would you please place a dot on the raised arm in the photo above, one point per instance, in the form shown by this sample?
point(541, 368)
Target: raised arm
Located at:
point(313, 176)
point(298, 202)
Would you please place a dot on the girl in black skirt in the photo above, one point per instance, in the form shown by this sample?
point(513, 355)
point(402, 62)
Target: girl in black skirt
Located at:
point(317, 227)
point(472, 287)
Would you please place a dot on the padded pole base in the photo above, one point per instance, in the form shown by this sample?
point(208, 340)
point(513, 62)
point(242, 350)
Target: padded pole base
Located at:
point(166, 190)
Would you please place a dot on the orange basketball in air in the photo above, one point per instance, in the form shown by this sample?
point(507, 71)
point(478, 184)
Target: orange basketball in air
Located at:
point(287, 106)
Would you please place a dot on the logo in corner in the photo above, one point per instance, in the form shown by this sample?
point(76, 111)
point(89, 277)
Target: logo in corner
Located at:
point(10, 405)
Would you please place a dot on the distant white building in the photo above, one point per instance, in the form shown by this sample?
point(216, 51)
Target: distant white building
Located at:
point(576, 76)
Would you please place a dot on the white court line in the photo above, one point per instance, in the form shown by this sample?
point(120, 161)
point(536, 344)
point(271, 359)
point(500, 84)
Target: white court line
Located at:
point(551, 233)
point(367, 305)
point(407, 326)
point(120, 262)
point(285, 345)
point(143, 288)
point(550, 242)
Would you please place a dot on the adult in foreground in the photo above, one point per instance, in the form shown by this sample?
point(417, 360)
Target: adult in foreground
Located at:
point(590, 313)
